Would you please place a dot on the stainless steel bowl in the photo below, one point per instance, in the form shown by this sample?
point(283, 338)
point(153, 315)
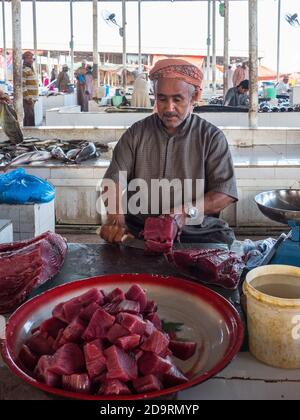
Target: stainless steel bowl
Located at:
point(280, 205)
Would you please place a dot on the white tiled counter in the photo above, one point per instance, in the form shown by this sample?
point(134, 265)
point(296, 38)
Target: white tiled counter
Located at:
point(258, 169)
point(29, 220)
point(6, 231)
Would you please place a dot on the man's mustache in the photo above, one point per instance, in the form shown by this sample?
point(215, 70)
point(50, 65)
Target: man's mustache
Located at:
point(169, 115)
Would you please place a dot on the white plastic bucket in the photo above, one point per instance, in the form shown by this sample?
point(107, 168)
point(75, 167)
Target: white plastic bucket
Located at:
point(273, 315)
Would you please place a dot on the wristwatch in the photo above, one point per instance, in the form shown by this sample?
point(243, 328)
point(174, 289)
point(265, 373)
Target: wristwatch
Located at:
point(193, 212)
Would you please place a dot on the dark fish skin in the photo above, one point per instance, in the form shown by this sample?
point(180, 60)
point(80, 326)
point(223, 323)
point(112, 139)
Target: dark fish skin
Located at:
point(58, 153)
point(88, 152)
point(73, 153)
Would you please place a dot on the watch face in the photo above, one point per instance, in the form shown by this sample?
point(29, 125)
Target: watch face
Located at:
point(193, 212)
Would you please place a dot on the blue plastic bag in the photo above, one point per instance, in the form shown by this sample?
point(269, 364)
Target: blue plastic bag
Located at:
point(17, 187)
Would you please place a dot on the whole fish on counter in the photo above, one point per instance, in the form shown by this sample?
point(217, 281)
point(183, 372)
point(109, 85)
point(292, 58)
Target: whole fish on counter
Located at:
point(72, 154)
point(88, 152)
point(25, 158)
point(58, 153)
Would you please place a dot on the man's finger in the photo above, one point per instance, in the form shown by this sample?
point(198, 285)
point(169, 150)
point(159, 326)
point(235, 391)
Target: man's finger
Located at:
point(119, 236)
point(127, 237)
point(113, 230)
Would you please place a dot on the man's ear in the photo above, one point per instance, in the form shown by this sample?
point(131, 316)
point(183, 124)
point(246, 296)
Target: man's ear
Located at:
point(196, 97)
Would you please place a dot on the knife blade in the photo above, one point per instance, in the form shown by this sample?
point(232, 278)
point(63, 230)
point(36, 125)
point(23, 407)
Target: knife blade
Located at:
point(273, 250)
point(140, 244)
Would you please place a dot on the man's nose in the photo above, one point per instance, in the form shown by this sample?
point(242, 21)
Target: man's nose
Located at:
point(170, 105)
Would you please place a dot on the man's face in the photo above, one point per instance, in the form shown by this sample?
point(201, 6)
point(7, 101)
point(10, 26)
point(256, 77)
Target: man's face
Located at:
point(174, 100)
point(242, 90)
point(28, 59)
point(285, 81)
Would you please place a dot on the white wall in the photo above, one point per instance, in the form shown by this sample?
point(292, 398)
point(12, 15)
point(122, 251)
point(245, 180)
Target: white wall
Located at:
point(66, 118)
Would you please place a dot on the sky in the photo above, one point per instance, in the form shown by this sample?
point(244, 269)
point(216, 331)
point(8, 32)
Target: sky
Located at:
point(166, 26)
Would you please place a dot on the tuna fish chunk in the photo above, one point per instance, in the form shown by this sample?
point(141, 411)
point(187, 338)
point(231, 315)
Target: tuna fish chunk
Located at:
point(117, 295)
point(120, 365)
point(128, 342)
point(147, 383)
point(27, 265)
point(73, 306)
point(156, 343)
point(67, 360)
point(174, 377)
point(213, 266)
point(137, 294)
point(44, 373)
point(159, 234)
point(77, 383)
point(40, 344)
point(115, 332)
point(151, 363)
point(27, 358)
point(94, 358)
point(132, 323)
point(73, 332)
point(183, 350)
point(52, 326)
point(99, 325)
point(114, 387)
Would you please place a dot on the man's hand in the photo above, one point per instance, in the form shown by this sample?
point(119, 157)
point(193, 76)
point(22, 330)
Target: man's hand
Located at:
point(180, 216)
point(114, 230)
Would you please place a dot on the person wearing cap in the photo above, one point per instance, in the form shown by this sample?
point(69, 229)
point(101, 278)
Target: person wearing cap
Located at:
point(237, 96)
point(172, 144)
point(30, 88)
point(63, 79)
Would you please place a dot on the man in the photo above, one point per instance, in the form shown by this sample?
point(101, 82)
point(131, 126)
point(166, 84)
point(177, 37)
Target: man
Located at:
point(237, 96)
point(283, 88)
point(241, 73)
point(30, 89)
point(81, 85)
point(230, 73)
point(174, 144)
point(140, 96)
point(53, 74)
point(63, 79)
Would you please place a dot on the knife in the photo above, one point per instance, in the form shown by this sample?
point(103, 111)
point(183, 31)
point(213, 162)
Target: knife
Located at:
point(140, 244)
point(268, 258)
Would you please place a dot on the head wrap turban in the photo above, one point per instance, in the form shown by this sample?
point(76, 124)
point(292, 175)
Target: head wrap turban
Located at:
point(172, 68)
point(27, 54)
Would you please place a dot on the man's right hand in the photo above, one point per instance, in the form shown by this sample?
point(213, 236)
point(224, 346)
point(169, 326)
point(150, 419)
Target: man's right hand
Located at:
point(114, 230)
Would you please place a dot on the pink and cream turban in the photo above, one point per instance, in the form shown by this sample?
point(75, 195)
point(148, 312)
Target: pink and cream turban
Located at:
point(172, 68)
